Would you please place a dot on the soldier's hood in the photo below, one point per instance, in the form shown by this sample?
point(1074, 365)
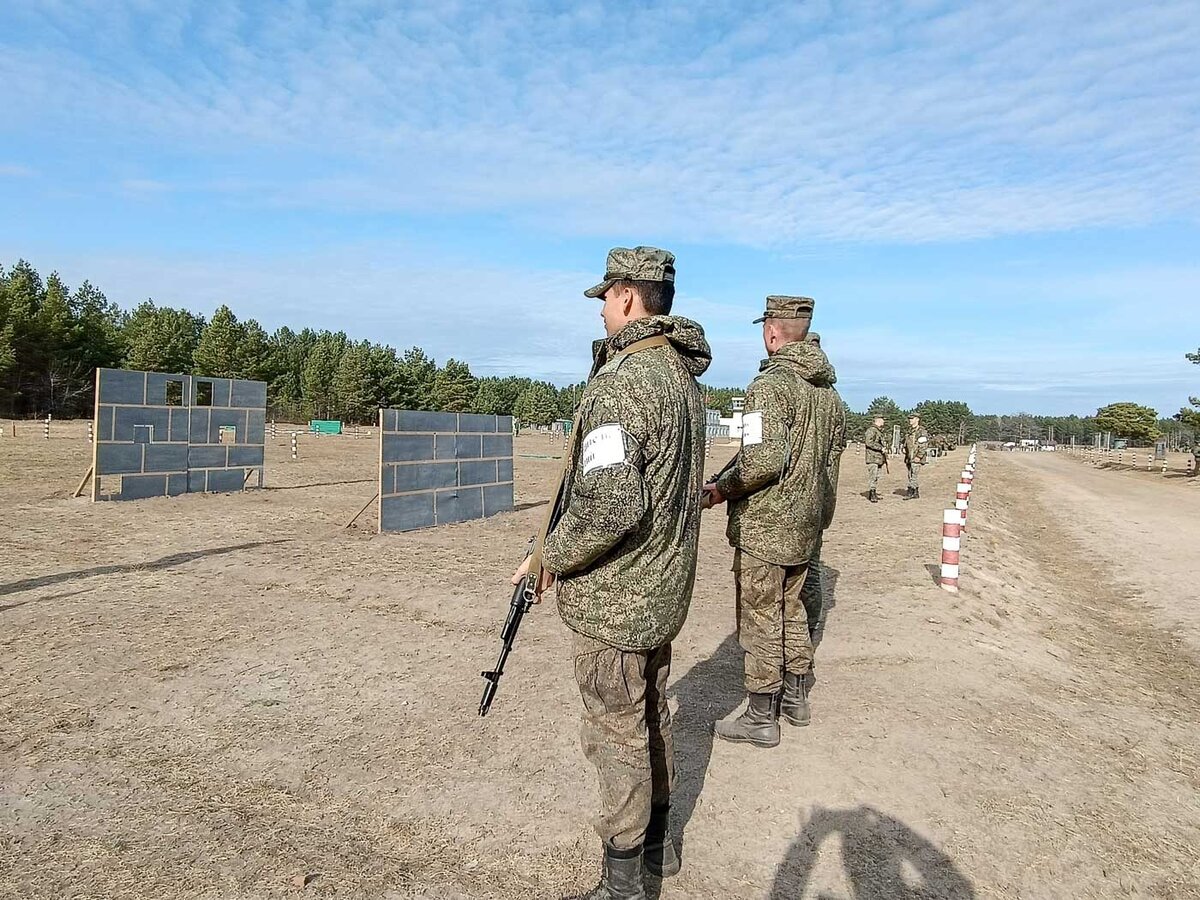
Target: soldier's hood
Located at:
point(686, 336)
point(807, 359)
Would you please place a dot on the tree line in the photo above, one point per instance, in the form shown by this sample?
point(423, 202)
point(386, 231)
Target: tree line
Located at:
point(53, 338)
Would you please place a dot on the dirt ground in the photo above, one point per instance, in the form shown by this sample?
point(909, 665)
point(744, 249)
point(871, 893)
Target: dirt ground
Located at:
point(233, 697)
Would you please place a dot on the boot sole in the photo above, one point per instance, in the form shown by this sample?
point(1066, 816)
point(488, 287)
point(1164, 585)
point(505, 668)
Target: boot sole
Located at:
point(753, 743)
point(795, 723)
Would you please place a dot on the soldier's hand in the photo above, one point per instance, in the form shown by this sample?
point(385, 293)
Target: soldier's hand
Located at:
point(546, 581)
point(712, 496)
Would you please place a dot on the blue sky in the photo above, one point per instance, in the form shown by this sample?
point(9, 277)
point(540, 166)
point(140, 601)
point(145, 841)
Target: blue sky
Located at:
point(995, 202)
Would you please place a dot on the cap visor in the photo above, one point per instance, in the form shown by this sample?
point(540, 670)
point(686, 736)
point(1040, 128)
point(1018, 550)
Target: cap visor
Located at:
point(598, 290)
point(760, 320)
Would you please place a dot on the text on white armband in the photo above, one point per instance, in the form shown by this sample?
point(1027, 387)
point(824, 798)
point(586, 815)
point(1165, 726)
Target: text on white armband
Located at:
point(603, 446)
point(752, 429)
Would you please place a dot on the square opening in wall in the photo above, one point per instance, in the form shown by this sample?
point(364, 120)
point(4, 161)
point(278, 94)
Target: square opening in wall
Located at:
point(174, 393)
point(204, 393)
point(143, 434)
point(227, 434)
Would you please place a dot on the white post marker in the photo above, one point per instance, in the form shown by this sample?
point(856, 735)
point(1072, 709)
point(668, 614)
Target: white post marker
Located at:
point(47, 426)
point(295, 446)
point(951, 545)
point(962, 494)
point(91, 434)
point(1149, 460)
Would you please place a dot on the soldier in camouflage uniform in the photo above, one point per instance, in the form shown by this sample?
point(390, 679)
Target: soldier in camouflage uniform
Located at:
point(876, 456)
point(623, 551)
point(916, 452)
point(779, 493)
point(812, 595)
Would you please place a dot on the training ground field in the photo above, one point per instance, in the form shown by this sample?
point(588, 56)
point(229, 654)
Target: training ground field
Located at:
point(230, 696)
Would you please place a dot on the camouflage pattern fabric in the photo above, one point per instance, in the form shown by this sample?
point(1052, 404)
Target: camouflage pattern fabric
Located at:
point(636, 264)
point(876, 446)
point(784, 307)
point(830, 408)
point(916, 445)
point(812, 594)
point(873, 470)
point(771, 621)
point(914, 475)
point(624, 543)
point(779, 488)
point(626, 734)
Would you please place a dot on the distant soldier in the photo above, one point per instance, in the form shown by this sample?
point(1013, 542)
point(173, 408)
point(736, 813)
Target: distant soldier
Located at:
point(916, 452)
point(778, 490)
point(812, 595)
point(623, 550)
point(876, 456)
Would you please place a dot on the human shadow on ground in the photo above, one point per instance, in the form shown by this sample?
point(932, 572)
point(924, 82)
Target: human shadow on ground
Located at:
point(829, 582)
point(534, 504)
point(710, 690)
point(166, 562)
point(883, 859)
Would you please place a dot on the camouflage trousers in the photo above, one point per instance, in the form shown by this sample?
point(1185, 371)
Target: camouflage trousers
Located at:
point(873, 475)
point(626, 734)
point(914, 474)
point(771, 621)
point(812, 595)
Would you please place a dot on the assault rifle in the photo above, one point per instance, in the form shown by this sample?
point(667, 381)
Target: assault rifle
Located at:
point(524, 596)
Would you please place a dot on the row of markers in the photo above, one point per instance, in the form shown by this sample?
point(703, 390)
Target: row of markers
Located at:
point(954, 523)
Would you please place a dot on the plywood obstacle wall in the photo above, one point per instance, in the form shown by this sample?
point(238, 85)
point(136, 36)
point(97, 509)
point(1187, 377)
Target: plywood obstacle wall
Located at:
point(436, 468)
point(166, 435)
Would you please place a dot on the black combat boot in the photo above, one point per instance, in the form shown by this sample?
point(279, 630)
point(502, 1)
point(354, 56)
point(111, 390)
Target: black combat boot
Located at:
point(660, 856)
point(916, 493)
point(910, 494)
point(873, 495)
point(758, 725)
point(793, 706)
point(621, 878)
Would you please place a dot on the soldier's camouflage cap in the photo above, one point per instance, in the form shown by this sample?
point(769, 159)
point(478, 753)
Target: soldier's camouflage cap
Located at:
point(814, 338)
point(636, 264)
point(780, 307)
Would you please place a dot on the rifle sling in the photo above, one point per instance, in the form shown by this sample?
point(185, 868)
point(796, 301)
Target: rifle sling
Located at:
point(535, 559)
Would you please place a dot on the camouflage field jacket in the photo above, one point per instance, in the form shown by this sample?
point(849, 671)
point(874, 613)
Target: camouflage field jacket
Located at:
point(624, 542)
point(916, 446)
point(781, 485)
point(876, 450)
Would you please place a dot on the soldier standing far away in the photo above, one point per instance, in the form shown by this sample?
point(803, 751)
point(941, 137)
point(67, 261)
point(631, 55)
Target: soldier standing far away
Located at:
point(916, 451)
point(778, 489)
point(876, 456)
point(623, 550)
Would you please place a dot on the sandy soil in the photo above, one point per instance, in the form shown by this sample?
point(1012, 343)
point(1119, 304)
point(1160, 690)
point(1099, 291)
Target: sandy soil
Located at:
point(233, 697)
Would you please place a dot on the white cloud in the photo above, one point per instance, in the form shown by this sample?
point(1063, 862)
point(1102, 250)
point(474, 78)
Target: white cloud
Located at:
point(785, 124)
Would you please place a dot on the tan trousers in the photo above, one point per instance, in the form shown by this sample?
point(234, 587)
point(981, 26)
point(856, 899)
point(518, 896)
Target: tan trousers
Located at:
point(626, 734)
point(771, 621)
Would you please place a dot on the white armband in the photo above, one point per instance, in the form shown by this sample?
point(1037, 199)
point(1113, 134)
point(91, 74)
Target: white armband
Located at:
point(603, 446)
point(752, 429)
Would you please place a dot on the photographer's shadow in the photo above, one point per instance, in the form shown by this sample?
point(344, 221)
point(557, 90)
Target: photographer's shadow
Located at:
point(883, 858)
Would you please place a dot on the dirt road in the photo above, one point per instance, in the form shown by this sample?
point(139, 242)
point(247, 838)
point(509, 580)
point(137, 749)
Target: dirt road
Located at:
point(231, 697)
point(1143, 526)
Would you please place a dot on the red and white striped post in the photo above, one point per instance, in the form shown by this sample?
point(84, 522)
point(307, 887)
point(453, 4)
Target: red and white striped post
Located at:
point(962, 495)
point(951, 544)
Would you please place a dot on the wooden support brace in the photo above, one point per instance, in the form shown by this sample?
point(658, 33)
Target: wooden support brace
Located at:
point(83, 481)
point(361, 511)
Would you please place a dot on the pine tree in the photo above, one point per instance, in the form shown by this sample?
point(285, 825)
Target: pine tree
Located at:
point(354, 399)
point(218, 352)
point(453, 387)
